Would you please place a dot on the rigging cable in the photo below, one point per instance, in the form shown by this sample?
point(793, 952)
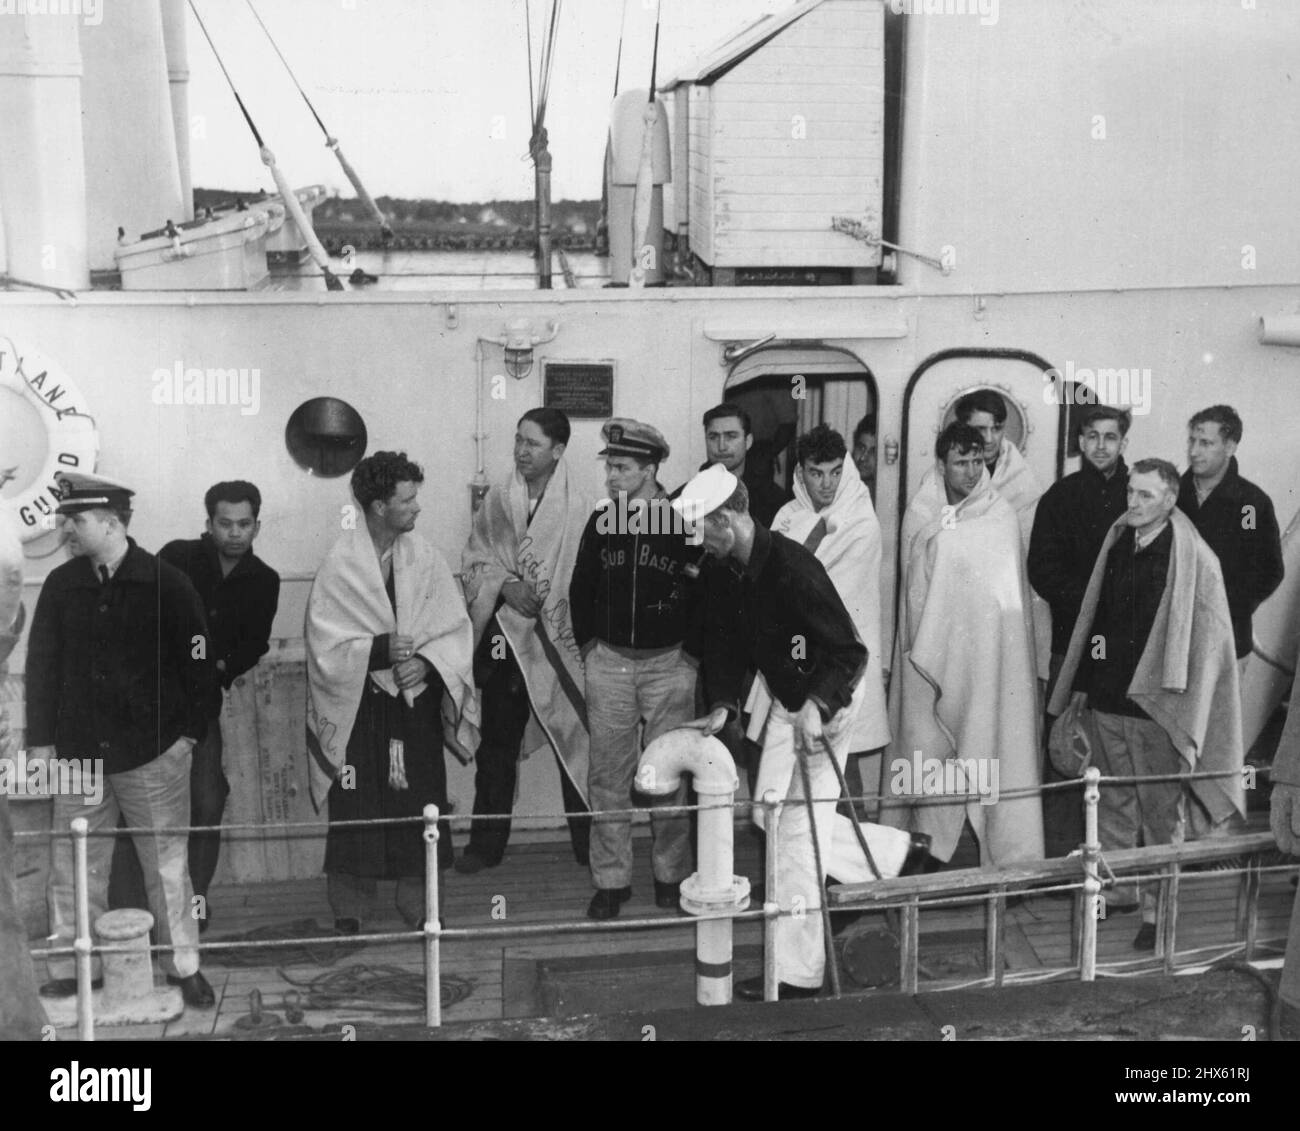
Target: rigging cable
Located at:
point(287, 194)
point(330, 142)
point(618, 60)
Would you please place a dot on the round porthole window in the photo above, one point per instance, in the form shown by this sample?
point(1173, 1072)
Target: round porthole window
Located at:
point(326, 436)
point(1017, 424)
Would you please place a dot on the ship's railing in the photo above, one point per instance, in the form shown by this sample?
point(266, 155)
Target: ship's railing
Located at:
point(1084, 874)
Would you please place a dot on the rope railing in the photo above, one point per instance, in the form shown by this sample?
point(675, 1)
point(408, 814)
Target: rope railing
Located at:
point(990, 887)
point(463, 820)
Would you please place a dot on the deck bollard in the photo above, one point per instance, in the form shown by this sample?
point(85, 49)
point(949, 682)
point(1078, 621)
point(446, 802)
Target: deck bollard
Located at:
point(128, 975)
point(432, 924)
point(1091, 880)
point(128, 996)
point(713, 888)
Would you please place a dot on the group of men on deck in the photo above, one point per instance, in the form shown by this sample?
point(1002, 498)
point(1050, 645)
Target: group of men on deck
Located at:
point(594, 631)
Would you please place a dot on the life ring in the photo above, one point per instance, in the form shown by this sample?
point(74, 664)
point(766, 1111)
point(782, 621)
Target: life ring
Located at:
point(71, 441)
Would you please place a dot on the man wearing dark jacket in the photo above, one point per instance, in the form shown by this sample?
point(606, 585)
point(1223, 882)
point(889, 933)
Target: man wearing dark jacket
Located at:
point(728, 440)
point(1073, 518)
point(1233, 515)
point(772, 607)
point(240, 594)
point(1237, 520)
point(1070, 524)
point(119, 675)
point(628, 598)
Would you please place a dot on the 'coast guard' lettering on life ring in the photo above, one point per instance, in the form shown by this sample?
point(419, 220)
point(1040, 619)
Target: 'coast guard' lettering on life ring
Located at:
point(29, 466)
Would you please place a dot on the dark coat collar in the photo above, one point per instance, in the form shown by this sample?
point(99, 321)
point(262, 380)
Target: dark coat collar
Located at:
point(761, 549)
point(1120, 473)
point(1229, 487)
point(250, 563)
point(137, 566)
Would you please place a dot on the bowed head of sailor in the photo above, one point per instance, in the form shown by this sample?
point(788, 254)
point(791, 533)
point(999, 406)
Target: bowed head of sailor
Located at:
point(717, 504)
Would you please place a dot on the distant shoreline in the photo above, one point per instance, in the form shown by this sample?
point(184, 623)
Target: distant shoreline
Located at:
point(433, 225)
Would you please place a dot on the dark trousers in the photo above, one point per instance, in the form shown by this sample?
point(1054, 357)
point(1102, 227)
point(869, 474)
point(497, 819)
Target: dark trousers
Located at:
point(1062, 808)
point(505, 718)
point(389, 852)
point(208, 792)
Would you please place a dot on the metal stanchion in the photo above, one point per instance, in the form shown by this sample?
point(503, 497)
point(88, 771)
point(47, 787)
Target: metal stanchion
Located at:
point(771, 909)
point(82, 943)
point(432, 925)
point(1091, 880)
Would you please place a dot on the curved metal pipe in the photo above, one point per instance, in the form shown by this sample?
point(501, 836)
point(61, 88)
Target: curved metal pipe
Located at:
point(713, 888)
point(686, 750)
point(734, 351)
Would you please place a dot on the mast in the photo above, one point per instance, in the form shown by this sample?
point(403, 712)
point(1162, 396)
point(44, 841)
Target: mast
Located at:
point(538, 146)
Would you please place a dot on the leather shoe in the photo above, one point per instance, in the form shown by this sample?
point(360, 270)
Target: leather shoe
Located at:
point(195, 990)
point(751, 989)
point(1146, 937)
point(471, 862)
point(918, 861)
point(668, 896)
point(66, 987)
point(606, 902)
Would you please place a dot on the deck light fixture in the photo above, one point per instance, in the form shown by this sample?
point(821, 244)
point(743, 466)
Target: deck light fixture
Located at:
point(519, 340)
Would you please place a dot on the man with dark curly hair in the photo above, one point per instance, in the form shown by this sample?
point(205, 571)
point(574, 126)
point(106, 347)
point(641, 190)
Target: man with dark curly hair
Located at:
point(389, 653)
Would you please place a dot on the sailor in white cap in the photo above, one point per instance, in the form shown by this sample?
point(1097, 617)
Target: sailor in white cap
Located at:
point(769, 605)
point(119, 677)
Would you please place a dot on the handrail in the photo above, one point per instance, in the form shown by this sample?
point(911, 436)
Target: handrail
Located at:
point(990, 886)
point(1056, 868)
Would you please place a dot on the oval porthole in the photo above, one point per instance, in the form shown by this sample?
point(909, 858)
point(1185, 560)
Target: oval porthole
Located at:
point(1018, 426)
point(326, 436)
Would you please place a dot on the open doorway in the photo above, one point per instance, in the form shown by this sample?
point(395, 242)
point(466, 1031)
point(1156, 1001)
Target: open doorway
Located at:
point(788, 392)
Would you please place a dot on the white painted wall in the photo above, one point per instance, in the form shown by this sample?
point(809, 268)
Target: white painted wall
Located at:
point(1103, 143)
point(795, 138)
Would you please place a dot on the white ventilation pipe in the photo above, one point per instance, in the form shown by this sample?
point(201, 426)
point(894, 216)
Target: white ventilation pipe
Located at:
point(133, 178)
point(1280, 330)
point(714, 888)
point(178, 75)
point(42, 162)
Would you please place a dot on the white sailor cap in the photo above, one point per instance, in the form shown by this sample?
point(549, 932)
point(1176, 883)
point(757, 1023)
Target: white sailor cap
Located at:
point(705, 493)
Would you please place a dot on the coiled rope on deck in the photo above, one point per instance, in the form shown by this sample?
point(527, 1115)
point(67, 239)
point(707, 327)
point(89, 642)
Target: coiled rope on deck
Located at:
point(379, 989)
